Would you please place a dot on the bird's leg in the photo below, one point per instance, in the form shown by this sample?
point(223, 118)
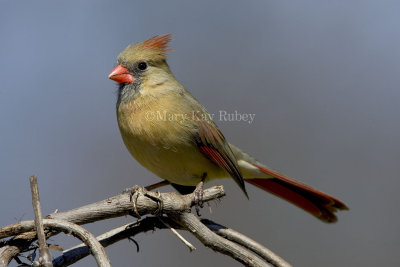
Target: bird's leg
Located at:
point(198, 194)
point(156, 185)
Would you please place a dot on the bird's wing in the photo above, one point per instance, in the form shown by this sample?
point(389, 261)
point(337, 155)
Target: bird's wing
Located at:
point(212, 144)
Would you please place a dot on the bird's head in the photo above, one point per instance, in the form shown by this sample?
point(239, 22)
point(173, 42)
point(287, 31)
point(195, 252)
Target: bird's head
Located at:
point(142, 65)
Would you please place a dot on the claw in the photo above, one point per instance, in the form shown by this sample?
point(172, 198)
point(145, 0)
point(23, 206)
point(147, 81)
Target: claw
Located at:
point(134, 193)
point(198, 196)
point(158, 199)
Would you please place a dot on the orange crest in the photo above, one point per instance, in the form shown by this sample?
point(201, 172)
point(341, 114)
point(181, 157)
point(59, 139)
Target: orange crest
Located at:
point(159, 42)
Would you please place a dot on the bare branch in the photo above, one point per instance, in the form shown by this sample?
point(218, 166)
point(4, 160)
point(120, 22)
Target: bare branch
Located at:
point(96, 248)
point(190, 222)
point(78, 252)
point(121, 205)
point(246, 242)
point(116, 206)
point(59, 225)
point(7, 253)
point(44, 254)
point(175, 206)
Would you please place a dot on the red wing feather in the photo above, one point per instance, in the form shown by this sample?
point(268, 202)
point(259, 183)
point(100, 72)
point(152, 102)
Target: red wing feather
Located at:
point(215, 156)
point(212, 144)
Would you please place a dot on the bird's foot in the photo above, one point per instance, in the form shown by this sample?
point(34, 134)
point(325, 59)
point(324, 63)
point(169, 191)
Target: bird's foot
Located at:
point(198, 197)
point(134, 193)
point(157, 198)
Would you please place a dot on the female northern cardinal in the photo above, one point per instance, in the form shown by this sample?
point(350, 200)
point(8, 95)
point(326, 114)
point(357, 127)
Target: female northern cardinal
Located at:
point(171, 134)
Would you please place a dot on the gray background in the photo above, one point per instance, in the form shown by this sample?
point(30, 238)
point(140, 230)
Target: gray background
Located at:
point(322, 78)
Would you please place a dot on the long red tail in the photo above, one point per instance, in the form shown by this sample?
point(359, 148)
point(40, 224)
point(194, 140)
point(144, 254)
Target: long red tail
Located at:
point(319, 204)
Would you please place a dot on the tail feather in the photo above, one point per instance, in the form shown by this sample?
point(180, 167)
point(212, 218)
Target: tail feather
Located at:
point(317, 203)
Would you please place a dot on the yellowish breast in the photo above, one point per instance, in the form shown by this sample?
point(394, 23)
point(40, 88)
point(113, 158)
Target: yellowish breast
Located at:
point(158, 133)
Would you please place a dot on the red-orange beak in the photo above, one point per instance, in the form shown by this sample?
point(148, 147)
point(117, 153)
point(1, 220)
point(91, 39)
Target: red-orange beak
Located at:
point(121, 75)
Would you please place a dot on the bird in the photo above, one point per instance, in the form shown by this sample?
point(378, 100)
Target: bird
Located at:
point(172, 135)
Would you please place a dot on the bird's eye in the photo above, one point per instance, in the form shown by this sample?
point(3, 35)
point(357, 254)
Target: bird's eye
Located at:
point(142, 65)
